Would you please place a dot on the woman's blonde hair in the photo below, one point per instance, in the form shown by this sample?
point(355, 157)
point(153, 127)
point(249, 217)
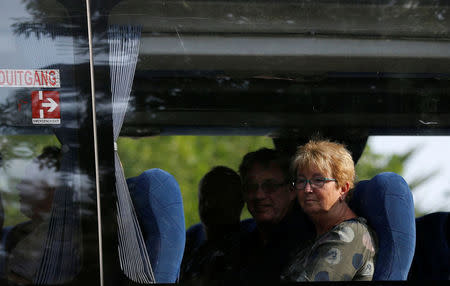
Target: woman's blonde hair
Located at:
point(328, 157)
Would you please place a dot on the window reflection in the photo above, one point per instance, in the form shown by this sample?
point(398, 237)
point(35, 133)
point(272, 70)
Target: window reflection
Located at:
point(45, 187)
point(26, 240)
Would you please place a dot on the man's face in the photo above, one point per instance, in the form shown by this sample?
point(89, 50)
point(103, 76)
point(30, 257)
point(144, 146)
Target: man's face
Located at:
point(221, 209)
point(267, 193)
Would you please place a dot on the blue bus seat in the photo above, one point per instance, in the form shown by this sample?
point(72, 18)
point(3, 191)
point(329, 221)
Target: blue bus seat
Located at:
point(195, 237)
point(159, 207)
point(432, 257)
point(387, 203)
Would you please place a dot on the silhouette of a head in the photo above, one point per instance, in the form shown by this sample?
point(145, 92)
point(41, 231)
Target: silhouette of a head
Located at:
point(220, 197)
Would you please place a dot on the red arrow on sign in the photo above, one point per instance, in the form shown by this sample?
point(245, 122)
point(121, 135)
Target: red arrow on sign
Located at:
point(45, 107)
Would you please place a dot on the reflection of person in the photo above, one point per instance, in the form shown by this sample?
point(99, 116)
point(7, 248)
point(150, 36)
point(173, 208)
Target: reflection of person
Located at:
point(25, 241)
point(281, 225)
point(345, 246)
point(37, 188)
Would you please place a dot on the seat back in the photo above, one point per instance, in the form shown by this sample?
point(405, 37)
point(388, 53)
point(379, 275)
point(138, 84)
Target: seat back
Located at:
point(159, 208)
point(432, 257)
point(387, 203)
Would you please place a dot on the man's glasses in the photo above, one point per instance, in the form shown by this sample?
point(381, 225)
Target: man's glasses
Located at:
point(300, 183)
point(267, 187)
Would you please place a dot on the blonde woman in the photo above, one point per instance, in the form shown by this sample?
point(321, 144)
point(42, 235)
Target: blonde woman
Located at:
point(345, 246)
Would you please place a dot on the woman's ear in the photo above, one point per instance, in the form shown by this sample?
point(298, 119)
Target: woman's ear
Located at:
point(345, 188)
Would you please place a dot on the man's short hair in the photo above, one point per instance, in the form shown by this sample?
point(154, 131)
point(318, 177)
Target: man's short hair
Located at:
point(264, 157)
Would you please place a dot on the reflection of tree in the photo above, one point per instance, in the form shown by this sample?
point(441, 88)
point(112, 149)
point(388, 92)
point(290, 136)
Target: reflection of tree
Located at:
point(10, 115)
point(47, 18)
point(49, 21)
point(52, 30)
point(43, 21)
point(23, 147)
point(39, 9)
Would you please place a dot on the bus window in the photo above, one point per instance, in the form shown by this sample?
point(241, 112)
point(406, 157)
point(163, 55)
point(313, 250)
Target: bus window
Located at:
point(47, 182)
point(176, 79)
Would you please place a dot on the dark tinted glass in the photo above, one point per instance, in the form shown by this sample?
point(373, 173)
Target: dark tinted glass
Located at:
point(48, 220)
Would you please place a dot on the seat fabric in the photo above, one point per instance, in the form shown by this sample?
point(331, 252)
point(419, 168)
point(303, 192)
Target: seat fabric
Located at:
point(432, 257)
point(387, 203)
point(159, 207)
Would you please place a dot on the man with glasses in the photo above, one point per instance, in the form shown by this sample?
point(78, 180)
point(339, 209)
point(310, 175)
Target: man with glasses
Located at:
point(281, 226)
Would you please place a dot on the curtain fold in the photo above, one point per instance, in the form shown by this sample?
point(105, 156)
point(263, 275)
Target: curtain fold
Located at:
point(61, 258)
point(124, 48)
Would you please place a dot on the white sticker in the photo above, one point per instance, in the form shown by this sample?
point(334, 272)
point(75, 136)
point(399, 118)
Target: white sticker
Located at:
point(48, 78)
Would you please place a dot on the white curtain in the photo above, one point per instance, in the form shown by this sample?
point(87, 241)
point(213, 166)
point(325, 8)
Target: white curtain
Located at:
point(124, 48)
point(61, 259)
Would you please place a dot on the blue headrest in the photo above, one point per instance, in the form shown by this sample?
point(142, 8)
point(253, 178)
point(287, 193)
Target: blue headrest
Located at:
point(387, 203)
point(159, 207)
point(432, 257)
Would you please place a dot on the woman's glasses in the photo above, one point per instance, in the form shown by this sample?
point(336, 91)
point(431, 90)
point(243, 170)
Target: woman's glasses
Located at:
point(300, 183)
